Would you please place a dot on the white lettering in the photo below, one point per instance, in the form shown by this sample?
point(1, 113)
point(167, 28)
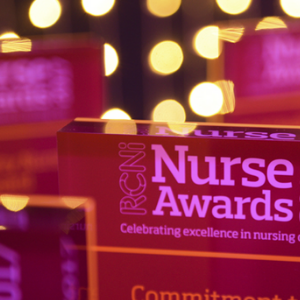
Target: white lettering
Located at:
point(239, 207)
point(166, 191)
point(256, 134)
point(222, 211)
point(211, 179)
point(288, 171)
point(261, 178)
point(287, 212)
point(227, 170)
point(195, 203)
point(266, 207)
point(161, 155)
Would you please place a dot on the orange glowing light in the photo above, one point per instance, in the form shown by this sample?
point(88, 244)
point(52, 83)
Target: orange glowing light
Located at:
point(73, 202)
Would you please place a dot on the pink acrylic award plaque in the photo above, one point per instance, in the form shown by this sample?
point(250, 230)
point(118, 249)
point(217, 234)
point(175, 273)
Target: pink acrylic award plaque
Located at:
point(42, 89)
point(263, 66)
point(196, 212)
point(42, 243)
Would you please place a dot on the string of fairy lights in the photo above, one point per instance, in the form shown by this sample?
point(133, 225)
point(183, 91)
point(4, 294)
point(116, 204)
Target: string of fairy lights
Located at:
point(166, 57)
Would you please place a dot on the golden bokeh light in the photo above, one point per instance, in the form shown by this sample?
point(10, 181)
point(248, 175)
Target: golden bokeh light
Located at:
point(206, 99)
point(16, 45)
point(227, 88)
point(182, 128)
point(234, 7)
point(232, 34)
point(171, 129)
point(291, 7)
point(11, 42)
point(270, 23)
point(207, 43)
point(2, 227)
point(120, 127)
point(173, 113)
point(9, 35)
point(14, 202)
point(111, 59)
point(163, 8)
point(165, 58)
point(115, 114)
point(44, 13)
point(168, 111)
point(97, 7)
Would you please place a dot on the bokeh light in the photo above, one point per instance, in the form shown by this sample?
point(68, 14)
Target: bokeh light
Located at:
point(206, 99)
point(11, 42)
point(234, 7)
point(44, 13)
point(270, 23)
point(171, 129)
point(173, 113)
point(227, 88)
point(9, 35)
point(97, 7)
point(291, 7)
point(231, 34)
point(14, 202)
point(111, 59)
point(120, 127)
point(116, 114)
point(182, 128)
point(165, 58)
point(163, 8)
point(2, 227)
point(207, 43)
point(16, 45)
point(168, 111)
